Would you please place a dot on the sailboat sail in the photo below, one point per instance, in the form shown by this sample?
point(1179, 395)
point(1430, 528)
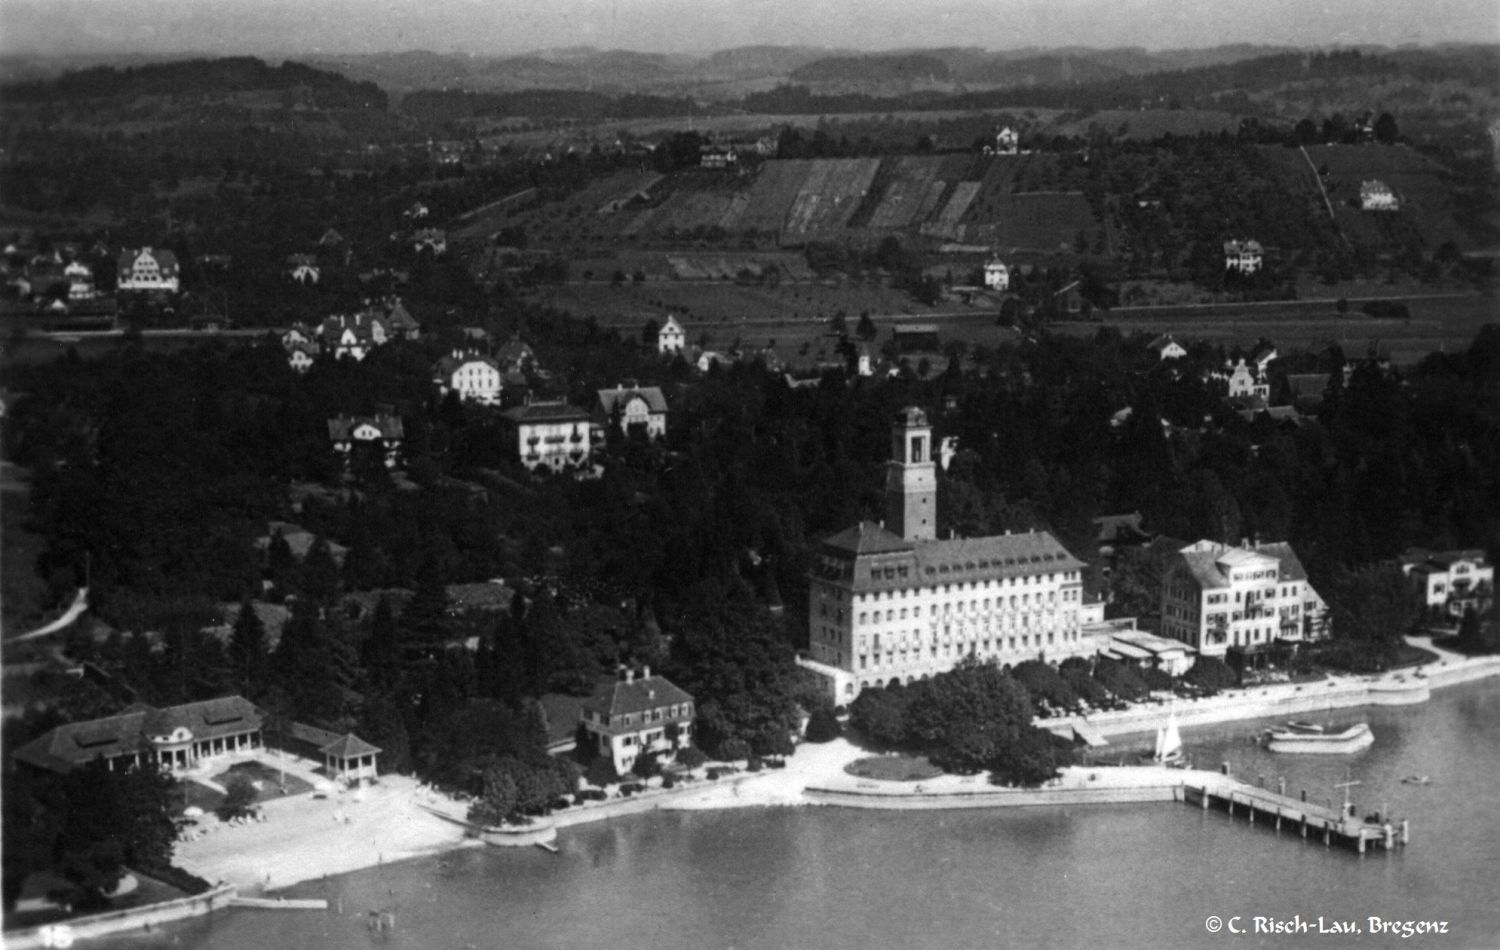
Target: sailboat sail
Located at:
point(1170, 743)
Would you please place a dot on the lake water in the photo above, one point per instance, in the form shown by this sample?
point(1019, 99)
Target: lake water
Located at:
point(1122, 877)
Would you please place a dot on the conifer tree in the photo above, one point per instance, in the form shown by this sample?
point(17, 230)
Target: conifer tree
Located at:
point(248, 653)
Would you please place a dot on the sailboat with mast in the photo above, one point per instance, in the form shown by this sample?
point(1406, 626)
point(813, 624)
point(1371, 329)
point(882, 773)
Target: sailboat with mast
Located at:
point(1169, 744)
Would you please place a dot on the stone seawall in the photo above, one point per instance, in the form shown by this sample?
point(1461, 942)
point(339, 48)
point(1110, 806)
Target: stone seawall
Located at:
point(542, 832)
point(992, 797)
point(119, 921)
point(1287, 699)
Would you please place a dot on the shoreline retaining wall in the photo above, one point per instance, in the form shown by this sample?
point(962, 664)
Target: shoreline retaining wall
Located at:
point(992, 797)
point(119, 921)
point(1285, 699)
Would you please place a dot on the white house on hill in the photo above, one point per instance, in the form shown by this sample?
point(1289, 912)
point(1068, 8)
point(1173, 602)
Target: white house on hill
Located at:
point(476, 378)
point(147, 269)
point(997, 275)
point(1247, 257)
point(670, 338)
point(635, 407)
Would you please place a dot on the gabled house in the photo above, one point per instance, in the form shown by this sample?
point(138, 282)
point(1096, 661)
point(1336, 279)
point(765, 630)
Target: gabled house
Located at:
point(301, 356)
point(382, 434)
point(718, 156)
point(1246, 381)
point(297, 333)
point(303, 268)
point(475, 377)
point(80, 279)
point(1120, 531)
point(1453, 582)
point(633, 408)
point(1247, 256)
point(1377, 196)
point(148, 270)
point(641, 715)
point(553, 435)
point(1166, 348)
point(352, 335)
point(399, 323)
point(1307, 390)
point(670, 338)
point(516, 357)
point(996, 275)
point(432, 240)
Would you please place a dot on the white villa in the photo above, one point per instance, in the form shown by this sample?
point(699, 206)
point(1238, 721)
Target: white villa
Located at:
point(554, 435)
point(1217, 597)
point(1456, 581)
point(476, 378)
point(639, 714)
point(633, 407)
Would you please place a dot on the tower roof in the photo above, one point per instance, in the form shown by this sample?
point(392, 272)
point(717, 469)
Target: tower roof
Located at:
point(911, 416)
point(867, 538)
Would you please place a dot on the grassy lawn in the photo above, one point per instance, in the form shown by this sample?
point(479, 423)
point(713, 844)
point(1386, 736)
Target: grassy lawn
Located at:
point(200, 795)
point(894, 768)
point(1454, 645)
point(1408, 656)
point(268, 779)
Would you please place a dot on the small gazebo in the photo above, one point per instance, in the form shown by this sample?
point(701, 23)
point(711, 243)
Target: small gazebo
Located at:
point(350, 759)
point(346, 758)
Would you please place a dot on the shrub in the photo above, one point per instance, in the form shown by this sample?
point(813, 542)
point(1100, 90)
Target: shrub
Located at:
point(1210, 673)
point(823, 726)
point(668, 781)
point(754, 765)
point(239, 797)
point(601, 772)
point(732, 750)
point(592, 795)
point(692, 757)
point(1156, 679)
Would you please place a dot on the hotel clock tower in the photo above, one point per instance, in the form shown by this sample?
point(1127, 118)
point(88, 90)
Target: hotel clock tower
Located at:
point(911, 479)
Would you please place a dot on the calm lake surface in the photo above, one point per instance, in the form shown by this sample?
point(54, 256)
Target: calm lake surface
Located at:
point(1090, 877)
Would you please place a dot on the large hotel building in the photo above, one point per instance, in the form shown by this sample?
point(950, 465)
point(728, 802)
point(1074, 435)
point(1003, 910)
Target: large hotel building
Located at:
point(892, 603)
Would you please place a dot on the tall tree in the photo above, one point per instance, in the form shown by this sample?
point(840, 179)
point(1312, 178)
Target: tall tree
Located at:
point(248, 652)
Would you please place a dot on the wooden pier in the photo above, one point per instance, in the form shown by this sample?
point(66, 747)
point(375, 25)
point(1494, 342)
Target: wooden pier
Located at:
point(280, 903)
point(1276, 809)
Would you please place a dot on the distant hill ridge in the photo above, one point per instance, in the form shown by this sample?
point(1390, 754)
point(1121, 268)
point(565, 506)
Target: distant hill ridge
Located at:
point(203, 76)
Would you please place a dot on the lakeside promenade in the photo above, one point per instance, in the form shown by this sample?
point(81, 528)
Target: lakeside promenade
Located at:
point(400, 819)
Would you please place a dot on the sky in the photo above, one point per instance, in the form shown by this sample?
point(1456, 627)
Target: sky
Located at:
point(280, 27)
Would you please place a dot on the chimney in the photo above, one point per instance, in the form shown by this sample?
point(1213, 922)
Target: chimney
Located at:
point(630, 676)
point(645, 672)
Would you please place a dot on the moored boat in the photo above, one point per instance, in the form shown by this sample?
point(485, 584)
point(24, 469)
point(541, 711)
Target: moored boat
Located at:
point(1291, 739)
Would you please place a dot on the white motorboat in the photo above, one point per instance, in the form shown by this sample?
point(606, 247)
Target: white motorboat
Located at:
point(1320, 740)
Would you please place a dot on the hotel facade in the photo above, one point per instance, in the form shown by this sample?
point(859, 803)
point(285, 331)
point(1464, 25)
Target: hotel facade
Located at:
point(893, 604)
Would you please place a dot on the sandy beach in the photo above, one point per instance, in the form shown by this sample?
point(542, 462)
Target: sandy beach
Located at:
point(305, 838)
